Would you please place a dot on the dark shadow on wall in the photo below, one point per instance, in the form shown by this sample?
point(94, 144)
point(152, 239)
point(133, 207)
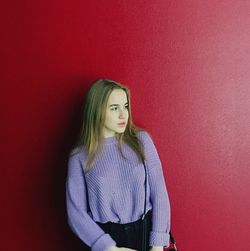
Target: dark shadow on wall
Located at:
point(56, 193)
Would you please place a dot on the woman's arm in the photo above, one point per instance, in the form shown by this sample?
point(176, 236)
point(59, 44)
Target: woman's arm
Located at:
point(78, 219)
point(159, 235)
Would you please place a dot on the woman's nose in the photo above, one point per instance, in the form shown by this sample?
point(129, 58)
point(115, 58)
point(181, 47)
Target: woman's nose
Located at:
point(122, 114)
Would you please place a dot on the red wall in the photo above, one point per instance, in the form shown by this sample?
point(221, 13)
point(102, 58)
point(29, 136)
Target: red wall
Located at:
point(187, 65)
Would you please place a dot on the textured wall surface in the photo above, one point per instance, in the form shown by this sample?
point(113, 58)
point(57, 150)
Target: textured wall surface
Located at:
point(187, 65)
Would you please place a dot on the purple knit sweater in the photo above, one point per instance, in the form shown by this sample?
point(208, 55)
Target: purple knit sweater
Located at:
point(116, 193)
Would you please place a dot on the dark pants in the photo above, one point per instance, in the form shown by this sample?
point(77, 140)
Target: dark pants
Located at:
point(129, 235)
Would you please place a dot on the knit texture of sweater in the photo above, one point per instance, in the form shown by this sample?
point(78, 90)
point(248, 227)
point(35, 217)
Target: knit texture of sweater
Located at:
point(116, 192)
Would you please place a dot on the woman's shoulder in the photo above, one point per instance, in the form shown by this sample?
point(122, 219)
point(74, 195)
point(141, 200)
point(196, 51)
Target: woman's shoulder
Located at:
point(146, 139)
point(78, 152)
point(144, 135)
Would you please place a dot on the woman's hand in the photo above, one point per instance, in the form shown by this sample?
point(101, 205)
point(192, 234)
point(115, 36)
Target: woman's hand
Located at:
point(115, 248)
point(156, 248)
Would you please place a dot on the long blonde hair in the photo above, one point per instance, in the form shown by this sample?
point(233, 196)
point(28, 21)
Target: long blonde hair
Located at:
point(94, 113)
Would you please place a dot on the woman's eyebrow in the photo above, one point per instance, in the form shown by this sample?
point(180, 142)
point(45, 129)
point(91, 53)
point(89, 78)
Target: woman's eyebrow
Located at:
point(117, 104)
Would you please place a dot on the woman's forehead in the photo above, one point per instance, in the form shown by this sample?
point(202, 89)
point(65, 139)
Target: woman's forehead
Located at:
point(118, 96)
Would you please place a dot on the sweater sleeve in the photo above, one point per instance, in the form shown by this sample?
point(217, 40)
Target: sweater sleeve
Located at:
point(159, 235)
point(76, 204)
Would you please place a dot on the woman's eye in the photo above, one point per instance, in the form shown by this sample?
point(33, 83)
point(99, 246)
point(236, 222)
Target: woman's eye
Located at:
point(115, 108)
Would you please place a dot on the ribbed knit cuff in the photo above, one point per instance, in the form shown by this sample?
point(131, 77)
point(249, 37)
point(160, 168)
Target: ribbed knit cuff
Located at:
point(103, 243)
point(159, 239)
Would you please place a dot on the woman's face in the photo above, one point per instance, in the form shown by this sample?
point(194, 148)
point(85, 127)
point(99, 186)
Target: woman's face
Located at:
point(116, 113)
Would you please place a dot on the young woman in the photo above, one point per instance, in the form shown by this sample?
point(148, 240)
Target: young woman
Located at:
point(105, 186)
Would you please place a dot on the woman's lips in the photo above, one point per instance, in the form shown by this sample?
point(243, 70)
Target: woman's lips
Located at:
point(121, 124)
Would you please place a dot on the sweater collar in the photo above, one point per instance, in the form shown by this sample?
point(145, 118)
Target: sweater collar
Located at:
point(110, 140)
